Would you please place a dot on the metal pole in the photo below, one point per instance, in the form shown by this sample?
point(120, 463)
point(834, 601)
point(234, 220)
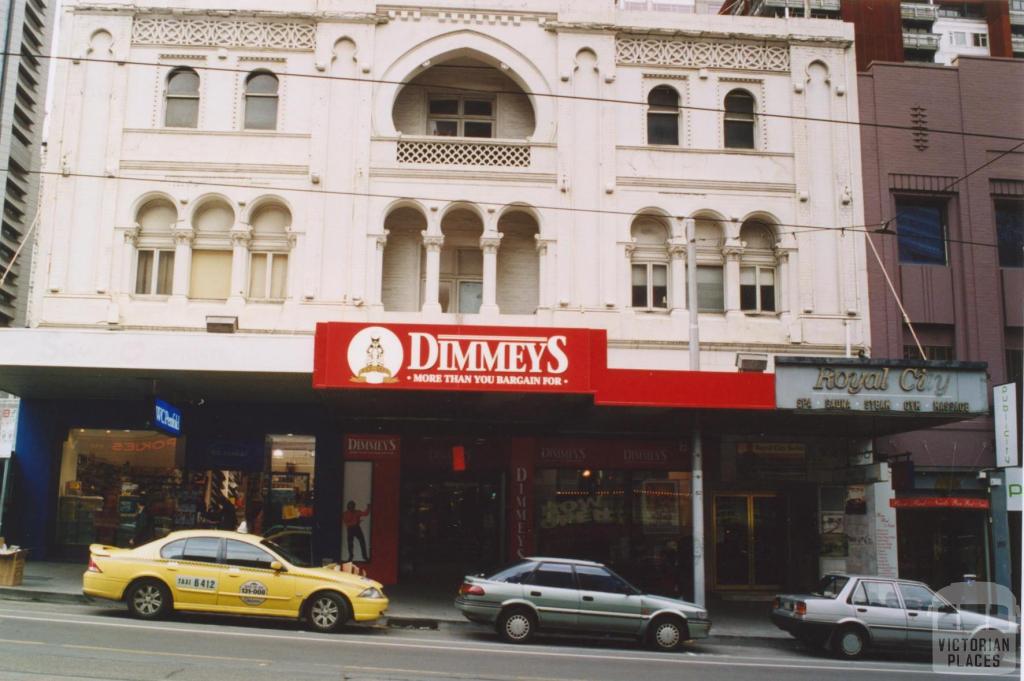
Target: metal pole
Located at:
point(696, 453)
point(3, 492)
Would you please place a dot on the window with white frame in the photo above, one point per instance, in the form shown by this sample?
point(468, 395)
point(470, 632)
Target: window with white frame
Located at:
point(758, 291)
point(154, 261)
point(958, 38)
point(268, 259)
point(461, 116)
point(739, 121)
point(154, 274)
point(710, 266)
point(210, 278)
point(261, 101)
point(181, 109)
point(980, 39)
point(649, 263)
point(461, 284)
point(663, 116)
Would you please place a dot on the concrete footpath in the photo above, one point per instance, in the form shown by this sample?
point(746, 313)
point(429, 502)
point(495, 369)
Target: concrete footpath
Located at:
point(412, 606)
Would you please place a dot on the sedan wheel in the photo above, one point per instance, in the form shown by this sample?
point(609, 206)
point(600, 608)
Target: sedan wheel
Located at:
point(149, 600)
point(667, 635)
point(327, 612)
point(849, 642)
point(515, 626)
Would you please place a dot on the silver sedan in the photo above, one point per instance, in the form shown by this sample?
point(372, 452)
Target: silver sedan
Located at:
point(576, 596)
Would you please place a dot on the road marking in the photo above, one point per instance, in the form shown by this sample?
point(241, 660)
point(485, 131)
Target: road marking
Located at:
point(24, 643)
point(157, 652)
point(455, 675)
point(515, 651)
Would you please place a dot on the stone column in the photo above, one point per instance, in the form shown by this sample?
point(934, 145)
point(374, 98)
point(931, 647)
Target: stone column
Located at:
point(489, 245)
point(182, 263)
point(626, 287)
point(732, 252)
point(376, 285)
point(240, 240)
point(544, 297)
point(677, 276)
point(432, 243)
point(128, 254)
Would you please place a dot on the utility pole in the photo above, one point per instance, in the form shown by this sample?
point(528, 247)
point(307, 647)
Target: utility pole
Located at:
point(696, 454)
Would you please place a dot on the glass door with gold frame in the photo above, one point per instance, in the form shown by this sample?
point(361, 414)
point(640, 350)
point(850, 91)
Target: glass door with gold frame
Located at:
point(748, 541)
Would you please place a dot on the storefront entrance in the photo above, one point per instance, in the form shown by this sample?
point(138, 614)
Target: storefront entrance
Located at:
point(451, 524)
point(748, 541)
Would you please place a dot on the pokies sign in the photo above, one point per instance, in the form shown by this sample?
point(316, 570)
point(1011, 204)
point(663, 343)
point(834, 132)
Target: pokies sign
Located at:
point(478, 358)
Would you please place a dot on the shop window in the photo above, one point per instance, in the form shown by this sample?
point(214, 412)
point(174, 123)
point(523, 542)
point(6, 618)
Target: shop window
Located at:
point(154, 273)
point(663, 116)
point(739, 120)
point(1010, 232)
point(245, 555)
point(921, 231)
point(290, 500)
point(268, 276)
point(202, 550)
point(261, 101)
point(211, 275)
point(454, 116)
point(182, 105)
point(554, 575)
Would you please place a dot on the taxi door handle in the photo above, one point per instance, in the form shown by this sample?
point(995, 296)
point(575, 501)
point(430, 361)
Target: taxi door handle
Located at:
point(172, 566)
point(535, 593)
point(234, 572)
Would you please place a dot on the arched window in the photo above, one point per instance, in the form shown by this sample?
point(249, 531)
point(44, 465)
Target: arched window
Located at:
point(710, 266)
point(518, 275)
point(649, 264)
point(268, 261)
point(211, 257)
point(461, 277)
point(739, 120)
point(182, 108)
point(154, 270)
point(663, 116)
point(758, 290)
point(261, 101)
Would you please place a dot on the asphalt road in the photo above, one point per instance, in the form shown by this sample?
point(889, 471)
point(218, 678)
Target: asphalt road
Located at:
point(41, 641)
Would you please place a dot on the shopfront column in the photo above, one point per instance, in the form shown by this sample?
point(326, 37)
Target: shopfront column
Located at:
point(240, 240)
point(489, 245)
point(182, 263)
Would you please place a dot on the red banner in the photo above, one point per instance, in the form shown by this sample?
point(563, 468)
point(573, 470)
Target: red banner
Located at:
point(478, 358)
point(939, 502)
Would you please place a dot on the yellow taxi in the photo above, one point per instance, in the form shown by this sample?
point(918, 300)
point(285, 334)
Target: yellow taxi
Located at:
point(232, 573)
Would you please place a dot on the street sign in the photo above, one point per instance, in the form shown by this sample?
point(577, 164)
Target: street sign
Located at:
point(8, 426)
point(1014, 487)
point(1004, 404)
point(167, 418)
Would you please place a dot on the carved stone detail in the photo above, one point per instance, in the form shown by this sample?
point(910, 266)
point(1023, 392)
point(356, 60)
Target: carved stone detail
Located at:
point(210, 32)
point(490, 243)
point(701, 54)
point(432, 242)
point(184, 237)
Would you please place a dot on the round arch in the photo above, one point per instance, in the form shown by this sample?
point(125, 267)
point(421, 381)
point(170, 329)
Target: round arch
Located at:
point(466, 43)
point(140, 202)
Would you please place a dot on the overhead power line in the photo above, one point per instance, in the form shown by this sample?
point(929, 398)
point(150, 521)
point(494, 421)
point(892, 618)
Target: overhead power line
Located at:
point(552, 95)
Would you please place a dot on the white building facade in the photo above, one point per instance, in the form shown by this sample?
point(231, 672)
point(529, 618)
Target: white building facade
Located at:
point(527, 165)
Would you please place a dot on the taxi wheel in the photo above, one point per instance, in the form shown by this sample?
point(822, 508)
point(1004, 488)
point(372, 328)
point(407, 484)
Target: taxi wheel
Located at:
point(326, 612)
point(516, 625)
point(667, 634)
point(149, 599)
point(849, 642)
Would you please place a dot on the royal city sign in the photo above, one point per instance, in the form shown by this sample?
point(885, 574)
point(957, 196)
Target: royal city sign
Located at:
point(412, 357)
point(911, 387)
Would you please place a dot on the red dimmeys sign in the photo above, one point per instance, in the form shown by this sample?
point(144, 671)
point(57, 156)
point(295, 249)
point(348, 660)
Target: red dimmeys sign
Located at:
point(484, 358)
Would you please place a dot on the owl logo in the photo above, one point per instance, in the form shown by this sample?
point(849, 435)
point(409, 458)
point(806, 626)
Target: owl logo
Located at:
point(377, 361)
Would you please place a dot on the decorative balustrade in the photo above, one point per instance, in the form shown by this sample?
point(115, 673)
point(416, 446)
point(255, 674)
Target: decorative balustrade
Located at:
point(451, 152)
point(921, 41)
point(918, 11)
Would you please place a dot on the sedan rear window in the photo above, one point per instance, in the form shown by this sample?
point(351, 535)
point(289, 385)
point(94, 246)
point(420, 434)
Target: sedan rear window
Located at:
point(517, 574)
point(202, 549)
point(556, 575)
point(173, 551)
point(831, 586)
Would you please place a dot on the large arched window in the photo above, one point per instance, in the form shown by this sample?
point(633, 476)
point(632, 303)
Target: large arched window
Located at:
point(461, 283)
point(211, 257)
point(663, 116)
point(268, 260)
point(154, 270)
point(518, 273)
point(182, 106)
point(400, 274)
point(739, 120)
point(261, 101)
point(649, 264)
point(758, 268)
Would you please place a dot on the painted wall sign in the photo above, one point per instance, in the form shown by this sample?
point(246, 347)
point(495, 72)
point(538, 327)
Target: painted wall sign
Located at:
point(8, 426)
point(1004, 403)
point(939, 502)
point(805, 384)
point(167, 417)
point(491, 359)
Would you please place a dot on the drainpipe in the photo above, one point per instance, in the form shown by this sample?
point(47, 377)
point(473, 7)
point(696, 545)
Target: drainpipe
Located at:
point(697, 463)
